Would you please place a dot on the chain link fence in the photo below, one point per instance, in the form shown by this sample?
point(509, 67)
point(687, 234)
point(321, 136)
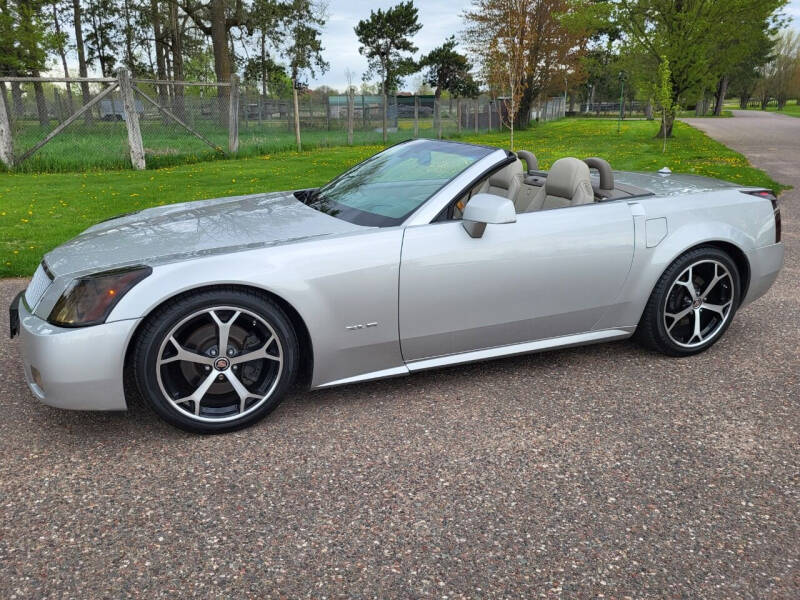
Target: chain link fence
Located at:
point(58, 124)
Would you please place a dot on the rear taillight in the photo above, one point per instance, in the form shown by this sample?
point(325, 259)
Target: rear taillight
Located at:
point(776, 210)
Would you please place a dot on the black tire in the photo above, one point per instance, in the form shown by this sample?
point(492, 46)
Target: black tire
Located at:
point(652, 331)
point(152, 345)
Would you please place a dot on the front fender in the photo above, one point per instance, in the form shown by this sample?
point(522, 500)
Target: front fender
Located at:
point(332, 283)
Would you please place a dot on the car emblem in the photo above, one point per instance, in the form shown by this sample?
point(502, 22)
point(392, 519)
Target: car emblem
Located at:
point(221, 363)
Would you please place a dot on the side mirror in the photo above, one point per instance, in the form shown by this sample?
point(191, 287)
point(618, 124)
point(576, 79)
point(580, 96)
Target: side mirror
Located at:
point(487, 208)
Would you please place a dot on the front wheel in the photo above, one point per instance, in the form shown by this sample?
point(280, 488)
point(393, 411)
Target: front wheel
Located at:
point(216, 360)
point(692, 304)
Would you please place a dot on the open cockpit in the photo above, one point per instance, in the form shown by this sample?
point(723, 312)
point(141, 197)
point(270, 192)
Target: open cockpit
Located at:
point(569, 182)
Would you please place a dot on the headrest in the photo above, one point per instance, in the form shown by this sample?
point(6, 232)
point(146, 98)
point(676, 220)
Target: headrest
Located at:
point(566, 176)
point(504, 176)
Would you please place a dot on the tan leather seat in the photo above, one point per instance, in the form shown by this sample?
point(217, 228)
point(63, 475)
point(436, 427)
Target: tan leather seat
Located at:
point(506, 182)
point(567, 184)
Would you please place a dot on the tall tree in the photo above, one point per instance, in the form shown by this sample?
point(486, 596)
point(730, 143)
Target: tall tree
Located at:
point(447, 70)
point(177, 33)
point(102, 41)
point(385, 40)
point(553, 35)
point(81, 49)
point(780, 75)
point(32, 44)
point(499, 33)
point(265, 20)
point(693, 35)
point(303, 22)
point(60, 43)
point(215, 19)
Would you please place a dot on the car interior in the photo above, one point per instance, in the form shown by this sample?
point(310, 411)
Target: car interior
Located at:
point(569, 182)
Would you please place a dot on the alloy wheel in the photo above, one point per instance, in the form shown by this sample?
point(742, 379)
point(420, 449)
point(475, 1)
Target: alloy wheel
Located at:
point(699, 303)
point(219, 364)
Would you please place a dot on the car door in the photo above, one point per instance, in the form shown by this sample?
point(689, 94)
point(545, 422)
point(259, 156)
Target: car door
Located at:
point(551, 273)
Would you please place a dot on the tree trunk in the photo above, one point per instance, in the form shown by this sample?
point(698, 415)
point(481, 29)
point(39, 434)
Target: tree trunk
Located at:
point(161, 65)
point(296, 115)
point(222, 60)
point(98, 40)
point(744, 100)
point(722, 90)
point(526, 102)
point(648, 110)
point(62, 53)
point(129, 62)
point(263, 64)
point(41, 102)
point(79, 46)
point(16, 99)
point(178, 107)
point(667, 123)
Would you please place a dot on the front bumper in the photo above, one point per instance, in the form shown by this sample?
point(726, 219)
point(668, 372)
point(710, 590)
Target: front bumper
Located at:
point(79, 368)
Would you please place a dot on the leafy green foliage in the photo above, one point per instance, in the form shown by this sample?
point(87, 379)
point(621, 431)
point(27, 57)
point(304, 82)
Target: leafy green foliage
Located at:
point(385, 39)
point(448, 70)
point(702, 40)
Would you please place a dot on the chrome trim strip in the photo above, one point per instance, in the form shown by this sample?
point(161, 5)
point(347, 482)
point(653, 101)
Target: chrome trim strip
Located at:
point(524, 348)
point(488, 353)
point(393, 372)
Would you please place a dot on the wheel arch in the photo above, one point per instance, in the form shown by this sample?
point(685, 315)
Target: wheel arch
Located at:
point(306, 366)
point(739, 258)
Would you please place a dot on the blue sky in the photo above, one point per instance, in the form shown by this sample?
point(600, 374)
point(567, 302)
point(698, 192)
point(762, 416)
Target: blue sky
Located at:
point(440, 18)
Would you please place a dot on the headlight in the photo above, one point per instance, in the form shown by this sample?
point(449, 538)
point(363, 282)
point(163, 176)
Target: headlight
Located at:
point(89, 300)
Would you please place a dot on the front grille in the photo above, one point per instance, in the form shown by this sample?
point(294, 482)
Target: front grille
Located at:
point(38, 286)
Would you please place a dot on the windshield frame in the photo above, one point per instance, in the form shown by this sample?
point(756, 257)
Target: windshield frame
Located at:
point(369, 219)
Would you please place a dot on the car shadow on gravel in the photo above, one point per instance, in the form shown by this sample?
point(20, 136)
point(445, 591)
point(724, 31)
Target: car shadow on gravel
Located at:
point(141, 422)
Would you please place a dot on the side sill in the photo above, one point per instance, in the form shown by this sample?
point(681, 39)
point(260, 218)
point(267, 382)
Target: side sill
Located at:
point(578, 339)
point(382, 374)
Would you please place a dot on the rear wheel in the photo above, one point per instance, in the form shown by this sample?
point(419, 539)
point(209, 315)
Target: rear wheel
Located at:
point(216, 360)
point(692, 304)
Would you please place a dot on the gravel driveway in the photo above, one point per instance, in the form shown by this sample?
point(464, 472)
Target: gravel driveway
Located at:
point(604, 471)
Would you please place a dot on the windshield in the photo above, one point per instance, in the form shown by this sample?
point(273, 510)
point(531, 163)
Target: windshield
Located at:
point(385, 189)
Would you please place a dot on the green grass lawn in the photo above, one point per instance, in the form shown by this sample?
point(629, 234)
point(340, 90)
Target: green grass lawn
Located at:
point(792, 109)
point(40, 211)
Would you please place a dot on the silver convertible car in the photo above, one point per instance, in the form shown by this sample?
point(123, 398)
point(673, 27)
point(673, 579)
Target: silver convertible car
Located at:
point(430, 253)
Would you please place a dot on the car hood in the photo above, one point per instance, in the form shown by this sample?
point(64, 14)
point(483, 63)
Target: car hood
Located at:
point(671, 184)
point(182, 231)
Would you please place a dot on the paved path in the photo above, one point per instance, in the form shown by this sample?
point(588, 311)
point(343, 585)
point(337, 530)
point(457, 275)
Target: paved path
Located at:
point(594, 472)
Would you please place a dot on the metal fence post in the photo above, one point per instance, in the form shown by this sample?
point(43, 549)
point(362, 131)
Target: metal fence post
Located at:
point(131, 120)
point(476, 115)
point(438, 111)
point(416, 116)
point(233, 116)
point(351, 101)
